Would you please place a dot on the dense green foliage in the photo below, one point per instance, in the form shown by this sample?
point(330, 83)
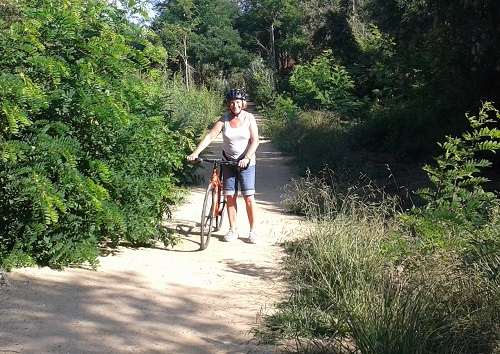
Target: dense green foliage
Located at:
point(201, 38)
point(459, 214)
point(456, 179)
point(87, 152)
point(323, 84)
point(358, 276)
point(416, 66)
point(260, 80)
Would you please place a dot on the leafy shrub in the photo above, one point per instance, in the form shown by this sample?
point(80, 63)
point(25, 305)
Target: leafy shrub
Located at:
point(458, 211)
point(304, 133)
point(457, 189)
point(324, 84)
point(365, 281)
point(260, 81)
point(16, 259)
point(375, 73)
point(280, 118)
point(283, 109)
point(459, 215)
point(87, 153)
point(372, 40)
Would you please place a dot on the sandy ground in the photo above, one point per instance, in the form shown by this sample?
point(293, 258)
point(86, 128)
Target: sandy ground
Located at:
point(160, 300)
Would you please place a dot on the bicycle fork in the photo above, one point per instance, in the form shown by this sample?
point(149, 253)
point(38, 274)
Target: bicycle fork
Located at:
point(216, 183)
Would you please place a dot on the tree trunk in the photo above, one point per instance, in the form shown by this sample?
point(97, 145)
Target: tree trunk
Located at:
point(186, 65)
point(273, 52)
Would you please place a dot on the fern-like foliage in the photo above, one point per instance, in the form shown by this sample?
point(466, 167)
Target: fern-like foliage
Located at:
point(87, 147)
point(457, 185)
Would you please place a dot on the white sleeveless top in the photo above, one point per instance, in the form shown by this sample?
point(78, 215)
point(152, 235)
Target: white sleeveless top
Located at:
point(237, 140)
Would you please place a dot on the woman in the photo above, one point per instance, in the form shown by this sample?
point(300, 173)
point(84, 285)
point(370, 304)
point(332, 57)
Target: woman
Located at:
point(240, 140)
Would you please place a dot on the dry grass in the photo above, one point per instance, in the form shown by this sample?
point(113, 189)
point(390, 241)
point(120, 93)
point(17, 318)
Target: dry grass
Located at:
point(347, 295)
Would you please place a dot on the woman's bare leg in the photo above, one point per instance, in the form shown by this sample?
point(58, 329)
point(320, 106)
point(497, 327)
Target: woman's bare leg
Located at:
point(231, 211)
point(250, 205)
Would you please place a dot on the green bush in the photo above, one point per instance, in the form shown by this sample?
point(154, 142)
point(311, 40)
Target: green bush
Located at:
point(457, 186)
point(304, 133)
point(459, 216)
point(87, 153)
point(280, 118)
point(260, 81)
point(324, 84)
point(369, 279)
point(457, 210)
point(374, 71)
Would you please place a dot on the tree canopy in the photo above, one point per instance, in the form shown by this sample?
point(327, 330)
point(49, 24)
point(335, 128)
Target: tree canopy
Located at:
point(201, 35)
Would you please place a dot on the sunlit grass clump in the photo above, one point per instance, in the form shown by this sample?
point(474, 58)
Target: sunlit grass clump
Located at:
point(359, 283)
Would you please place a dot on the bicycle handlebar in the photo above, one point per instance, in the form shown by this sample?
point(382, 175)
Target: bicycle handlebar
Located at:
point(217, 161)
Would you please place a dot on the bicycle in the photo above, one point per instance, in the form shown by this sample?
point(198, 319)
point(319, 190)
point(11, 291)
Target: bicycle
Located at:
point(214, 203)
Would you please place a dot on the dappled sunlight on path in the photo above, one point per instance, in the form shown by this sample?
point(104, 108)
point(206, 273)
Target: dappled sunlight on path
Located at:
point(160, 299)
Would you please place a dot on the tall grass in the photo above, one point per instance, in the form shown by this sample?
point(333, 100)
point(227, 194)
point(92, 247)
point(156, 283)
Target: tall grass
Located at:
point(348, 294)
point(195, 109)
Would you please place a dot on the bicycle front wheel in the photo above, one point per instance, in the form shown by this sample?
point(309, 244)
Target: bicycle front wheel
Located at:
point(207, 217)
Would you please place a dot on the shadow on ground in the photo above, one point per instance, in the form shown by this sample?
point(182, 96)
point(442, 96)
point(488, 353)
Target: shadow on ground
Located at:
point(107, 317)
point(252, 270)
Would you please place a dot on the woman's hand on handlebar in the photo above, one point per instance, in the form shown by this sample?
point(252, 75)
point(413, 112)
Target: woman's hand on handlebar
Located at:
point(192, 157)
point(243, 163)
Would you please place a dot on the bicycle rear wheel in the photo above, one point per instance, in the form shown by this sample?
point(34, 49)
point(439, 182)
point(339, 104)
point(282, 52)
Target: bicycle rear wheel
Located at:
point(207, 217)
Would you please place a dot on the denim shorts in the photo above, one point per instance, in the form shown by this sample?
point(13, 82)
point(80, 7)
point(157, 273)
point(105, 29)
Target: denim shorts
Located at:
point(233, 178)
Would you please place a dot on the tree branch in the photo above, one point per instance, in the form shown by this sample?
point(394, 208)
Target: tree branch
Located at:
point(261, 45)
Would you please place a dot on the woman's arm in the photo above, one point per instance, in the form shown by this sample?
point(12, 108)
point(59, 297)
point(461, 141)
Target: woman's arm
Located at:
point(209, 137)
point(254, 143)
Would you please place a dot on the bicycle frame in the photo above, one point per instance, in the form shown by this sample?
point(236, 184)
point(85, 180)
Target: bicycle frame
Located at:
point(216, 181)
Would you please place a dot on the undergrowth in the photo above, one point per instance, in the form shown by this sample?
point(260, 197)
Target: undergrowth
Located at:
point(372, 277)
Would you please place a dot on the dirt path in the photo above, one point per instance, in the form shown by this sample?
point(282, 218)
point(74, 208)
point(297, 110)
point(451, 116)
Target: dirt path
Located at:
point(158, 300)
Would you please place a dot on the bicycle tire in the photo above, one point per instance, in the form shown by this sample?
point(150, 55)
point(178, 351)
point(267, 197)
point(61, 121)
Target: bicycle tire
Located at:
point(206, 217)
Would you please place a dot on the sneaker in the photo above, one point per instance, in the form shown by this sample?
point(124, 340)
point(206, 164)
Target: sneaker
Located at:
point(252, 237)
point(230, 236)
